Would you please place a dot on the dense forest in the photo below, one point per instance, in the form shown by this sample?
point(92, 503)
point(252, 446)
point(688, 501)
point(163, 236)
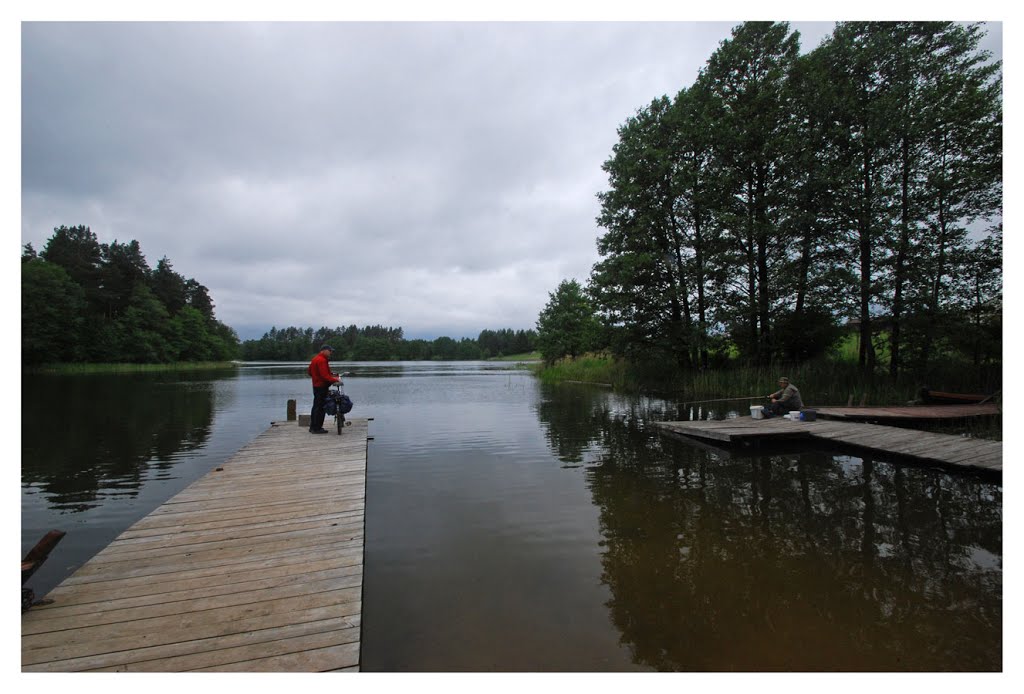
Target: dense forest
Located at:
point(83, 301)
point(379, 343)
point(783, 201)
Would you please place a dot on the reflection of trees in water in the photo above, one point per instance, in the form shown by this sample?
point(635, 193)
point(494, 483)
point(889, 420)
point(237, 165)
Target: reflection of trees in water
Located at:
point(797, 561)
point(577, 418)
point(87, 436)
point(574, 418)
point(787, 561)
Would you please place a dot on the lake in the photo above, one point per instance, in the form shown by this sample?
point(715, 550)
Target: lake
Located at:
point(516, 526)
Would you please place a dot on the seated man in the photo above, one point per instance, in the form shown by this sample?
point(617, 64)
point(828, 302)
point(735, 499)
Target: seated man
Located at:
point(784, 400)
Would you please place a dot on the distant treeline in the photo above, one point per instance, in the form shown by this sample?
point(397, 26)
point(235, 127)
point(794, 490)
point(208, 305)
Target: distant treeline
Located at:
point(83, 301)
point(379, 343)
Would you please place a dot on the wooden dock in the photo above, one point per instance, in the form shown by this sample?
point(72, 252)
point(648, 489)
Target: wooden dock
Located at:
point(910, 443)
point(909, 413)
point(255, 567)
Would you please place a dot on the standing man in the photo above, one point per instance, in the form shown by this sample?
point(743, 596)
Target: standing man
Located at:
point(320, 372)
point(784, 400)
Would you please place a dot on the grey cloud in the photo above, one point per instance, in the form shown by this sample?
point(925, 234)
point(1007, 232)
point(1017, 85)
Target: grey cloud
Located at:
point(437, 176)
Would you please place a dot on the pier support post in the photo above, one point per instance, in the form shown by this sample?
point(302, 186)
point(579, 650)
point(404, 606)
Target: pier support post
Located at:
point(291, 410)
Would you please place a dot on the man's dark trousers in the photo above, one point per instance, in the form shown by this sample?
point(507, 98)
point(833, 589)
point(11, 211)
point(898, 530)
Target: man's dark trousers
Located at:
point(317, 414)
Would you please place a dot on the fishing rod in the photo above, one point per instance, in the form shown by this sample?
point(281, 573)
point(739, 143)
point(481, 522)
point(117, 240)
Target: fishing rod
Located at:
point(701, 402)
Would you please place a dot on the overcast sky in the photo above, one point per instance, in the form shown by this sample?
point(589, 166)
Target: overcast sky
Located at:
point(441, 177)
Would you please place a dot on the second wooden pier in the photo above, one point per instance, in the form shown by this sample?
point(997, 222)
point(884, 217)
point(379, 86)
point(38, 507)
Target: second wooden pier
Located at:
point(258, 566)
point(920, 445)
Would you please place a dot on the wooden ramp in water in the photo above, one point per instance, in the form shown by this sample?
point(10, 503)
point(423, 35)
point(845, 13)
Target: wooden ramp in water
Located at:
point(909, 443)
point(257, 566)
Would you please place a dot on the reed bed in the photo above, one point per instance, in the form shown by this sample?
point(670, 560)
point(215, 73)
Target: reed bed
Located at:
point(821, 382)
point(523, 357)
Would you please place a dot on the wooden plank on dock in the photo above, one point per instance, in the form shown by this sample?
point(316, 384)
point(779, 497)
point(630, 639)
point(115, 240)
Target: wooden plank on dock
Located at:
point(920, 445)
point(910, 412)
point(255, 567)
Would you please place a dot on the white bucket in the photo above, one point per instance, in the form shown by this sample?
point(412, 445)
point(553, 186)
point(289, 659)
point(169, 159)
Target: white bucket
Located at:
point(795, 415)
point(757, 411)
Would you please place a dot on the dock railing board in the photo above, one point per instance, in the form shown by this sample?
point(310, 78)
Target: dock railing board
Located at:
point(908, 443)
point(255, 567)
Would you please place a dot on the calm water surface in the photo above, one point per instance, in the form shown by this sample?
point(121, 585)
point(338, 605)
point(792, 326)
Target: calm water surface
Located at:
point(515, 526)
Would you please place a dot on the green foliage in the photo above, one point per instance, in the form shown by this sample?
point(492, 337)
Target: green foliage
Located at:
point(567, 325)
point(806, 335)
point(169, 286)
point(51, 312)
point(83, 301)
point(500, 343)
point(781, 196)
point(523, 357)
point(380, 343)
point(77, 250)
point(822, 381)
point(589, 368)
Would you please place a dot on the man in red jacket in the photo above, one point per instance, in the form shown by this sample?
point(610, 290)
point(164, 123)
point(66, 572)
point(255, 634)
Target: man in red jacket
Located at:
point(320, 372)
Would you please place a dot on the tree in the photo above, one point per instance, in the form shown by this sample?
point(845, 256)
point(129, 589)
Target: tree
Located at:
point(195, 341)
point(980, 292)
point(964, 158)
point(818, 273)
point(751, 119)
point(52, 308)
point(112, 307)
point(77, 250)
point(169, 286)
point(567, 325)
point(920, 159)
point(197, 296)
point(641, 284)
point(123, 268)
point(779, 195)
point(145, 326)
point(862, 98)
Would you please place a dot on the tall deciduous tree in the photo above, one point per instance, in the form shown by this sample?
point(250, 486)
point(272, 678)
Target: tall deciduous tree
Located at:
point(643, 284)
point(964, 157)
point(921, 142)
point(751, 117)
point(798, 192)
point(567, 326)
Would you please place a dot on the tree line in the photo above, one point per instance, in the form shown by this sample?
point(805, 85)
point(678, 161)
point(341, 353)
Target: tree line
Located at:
point(83, 301)
point(783, 198)
point(380, 343)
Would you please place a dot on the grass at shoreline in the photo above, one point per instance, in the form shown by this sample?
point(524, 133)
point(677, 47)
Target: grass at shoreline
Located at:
point(525, 356)
point(821, 382)
point(63, 369)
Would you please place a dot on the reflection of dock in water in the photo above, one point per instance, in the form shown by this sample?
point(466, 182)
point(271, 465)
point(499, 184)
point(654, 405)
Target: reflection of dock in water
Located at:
point(257, 566)
point(910, 443)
